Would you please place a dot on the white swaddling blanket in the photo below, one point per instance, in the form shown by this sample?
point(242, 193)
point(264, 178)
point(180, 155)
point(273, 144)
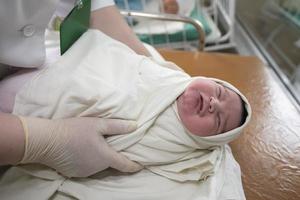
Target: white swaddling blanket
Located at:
point(101, 77)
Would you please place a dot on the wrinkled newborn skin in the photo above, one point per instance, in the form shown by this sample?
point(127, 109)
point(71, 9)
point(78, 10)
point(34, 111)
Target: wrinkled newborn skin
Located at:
point(207, 108)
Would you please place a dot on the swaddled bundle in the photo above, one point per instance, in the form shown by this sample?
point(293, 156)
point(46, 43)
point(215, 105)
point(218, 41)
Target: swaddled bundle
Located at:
point(101, 77)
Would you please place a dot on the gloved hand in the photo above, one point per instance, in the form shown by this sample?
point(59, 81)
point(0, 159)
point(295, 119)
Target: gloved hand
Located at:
point(75, 147)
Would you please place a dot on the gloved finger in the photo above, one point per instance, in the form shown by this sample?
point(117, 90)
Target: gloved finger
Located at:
point(121, 163)
point(115, 126)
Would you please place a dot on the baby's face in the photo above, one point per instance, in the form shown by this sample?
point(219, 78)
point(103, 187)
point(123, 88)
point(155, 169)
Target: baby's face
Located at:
point(207, 108)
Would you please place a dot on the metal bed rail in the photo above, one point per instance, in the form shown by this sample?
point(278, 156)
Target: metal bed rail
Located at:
point(170, 17)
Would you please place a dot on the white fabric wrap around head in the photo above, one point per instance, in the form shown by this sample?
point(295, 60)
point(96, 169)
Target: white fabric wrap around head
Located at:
point(101, 77)
point(228, 136)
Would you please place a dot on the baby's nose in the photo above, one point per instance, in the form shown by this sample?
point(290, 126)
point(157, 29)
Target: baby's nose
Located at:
point(213, 104)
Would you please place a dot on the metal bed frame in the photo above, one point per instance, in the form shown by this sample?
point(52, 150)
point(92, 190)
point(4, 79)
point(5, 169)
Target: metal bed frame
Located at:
point(220, 12)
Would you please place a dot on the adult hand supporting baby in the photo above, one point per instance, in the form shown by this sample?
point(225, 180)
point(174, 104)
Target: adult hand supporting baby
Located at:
point(75, 147)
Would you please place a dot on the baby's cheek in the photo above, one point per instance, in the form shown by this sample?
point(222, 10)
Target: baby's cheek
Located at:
point(201, 126)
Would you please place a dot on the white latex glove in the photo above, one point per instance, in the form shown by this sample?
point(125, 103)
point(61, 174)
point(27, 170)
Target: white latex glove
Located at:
point(75, 147)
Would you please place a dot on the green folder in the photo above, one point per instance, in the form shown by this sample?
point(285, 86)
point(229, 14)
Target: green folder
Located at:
point(75, 24)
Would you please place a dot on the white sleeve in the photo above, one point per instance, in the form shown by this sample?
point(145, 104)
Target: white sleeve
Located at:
point(96, 4)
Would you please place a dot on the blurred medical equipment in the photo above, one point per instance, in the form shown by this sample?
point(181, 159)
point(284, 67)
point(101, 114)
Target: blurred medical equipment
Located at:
point(159, 29)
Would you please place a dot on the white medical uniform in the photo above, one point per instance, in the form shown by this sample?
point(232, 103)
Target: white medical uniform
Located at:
point(23, 24)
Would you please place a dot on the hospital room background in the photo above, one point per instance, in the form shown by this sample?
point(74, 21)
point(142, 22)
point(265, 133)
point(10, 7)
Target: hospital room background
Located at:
point(255, 45)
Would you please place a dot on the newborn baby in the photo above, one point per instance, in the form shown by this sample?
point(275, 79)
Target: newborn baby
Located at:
point(208, 108)
point(180, 118)
point(183, 122)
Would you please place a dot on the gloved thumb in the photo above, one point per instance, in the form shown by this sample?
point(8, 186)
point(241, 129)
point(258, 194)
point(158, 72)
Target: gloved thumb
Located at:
point(115, 126)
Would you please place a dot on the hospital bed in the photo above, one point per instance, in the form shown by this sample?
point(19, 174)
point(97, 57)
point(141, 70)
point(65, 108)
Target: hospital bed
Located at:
point(268, 150)
point(159, 29)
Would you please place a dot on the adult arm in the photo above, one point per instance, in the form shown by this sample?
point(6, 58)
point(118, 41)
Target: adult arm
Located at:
point(111, 22)
point(74, 147)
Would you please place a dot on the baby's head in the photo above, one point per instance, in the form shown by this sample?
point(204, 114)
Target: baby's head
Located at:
point(208, 108)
